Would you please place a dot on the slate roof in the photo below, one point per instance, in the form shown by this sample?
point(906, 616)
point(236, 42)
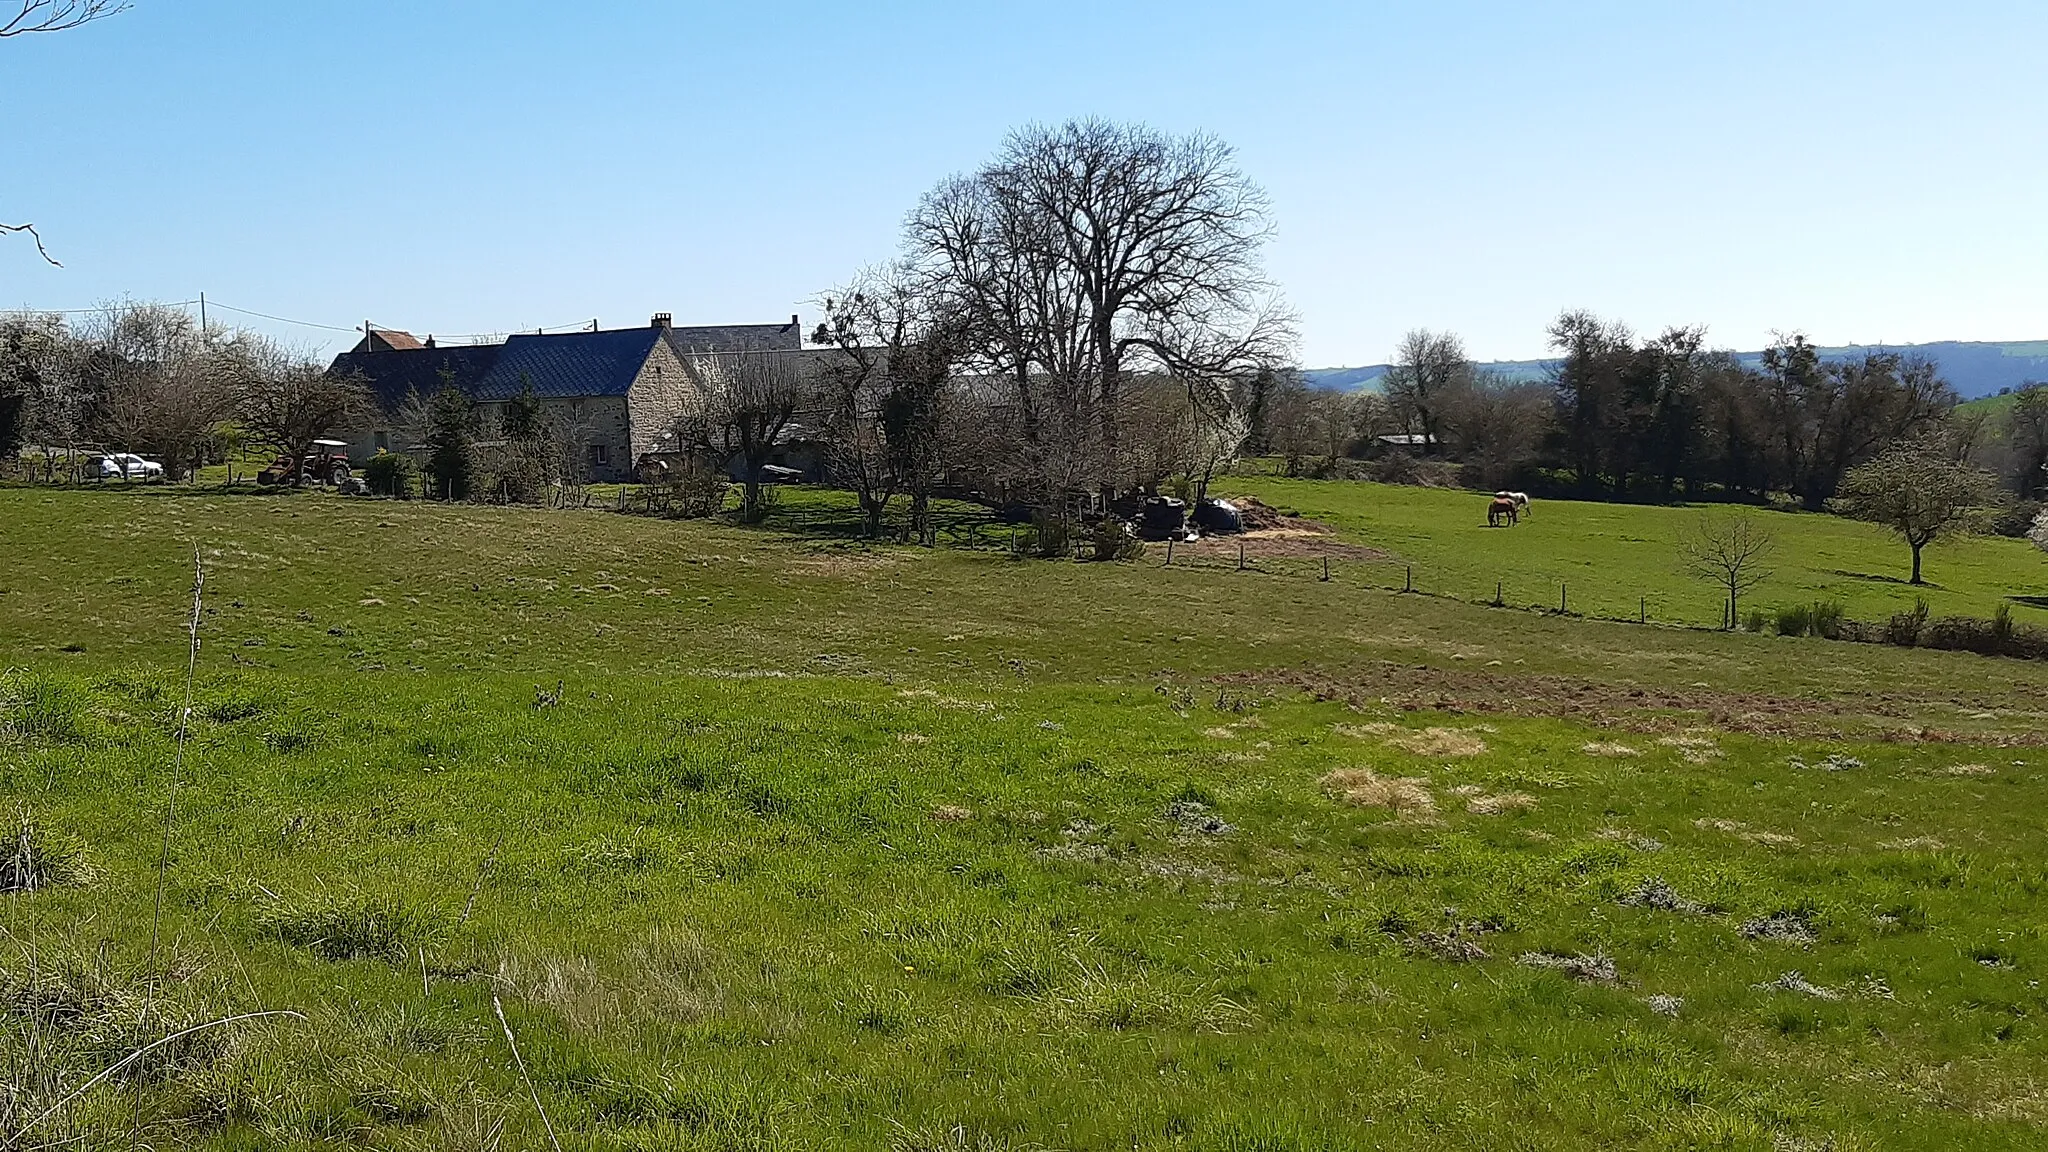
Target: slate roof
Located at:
point(569, 365)
point(391, 375)
point(735, 338)
point(560, 366)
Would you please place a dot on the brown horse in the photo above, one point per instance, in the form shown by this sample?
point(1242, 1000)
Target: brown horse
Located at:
point(1503, 509)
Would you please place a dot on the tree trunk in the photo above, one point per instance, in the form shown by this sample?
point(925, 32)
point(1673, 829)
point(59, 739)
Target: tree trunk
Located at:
point(1916, 563)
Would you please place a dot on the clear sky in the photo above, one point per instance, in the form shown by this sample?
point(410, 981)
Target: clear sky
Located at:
point(1861, 170)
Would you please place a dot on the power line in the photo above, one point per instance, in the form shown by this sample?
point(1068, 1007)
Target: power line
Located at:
point(78, 311)
point(278, 319)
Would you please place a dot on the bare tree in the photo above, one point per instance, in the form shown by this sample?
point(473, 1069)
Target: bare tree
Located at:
point(2039, 533)
point(286, 401)
point(167, 387)
point(898, 335)
point(1496, 426)
point(1730, 551)
point(744, 406)
point(1430, 375)
point(1920, 492)
point(1091, 253)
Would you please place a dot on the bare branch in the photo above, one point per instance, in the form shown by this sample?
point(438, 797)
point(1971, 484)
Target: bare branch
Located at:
point(58, 15)
point(10, 229)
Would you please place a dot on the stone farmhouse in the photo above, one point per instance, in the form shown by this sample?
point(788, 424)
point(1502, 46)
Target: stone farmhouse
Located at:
point(614, 394)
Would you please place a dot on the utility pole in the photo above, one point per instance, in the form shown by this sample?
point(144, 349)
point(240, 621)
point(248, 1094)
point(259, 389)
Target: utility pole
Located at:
point(203, 338)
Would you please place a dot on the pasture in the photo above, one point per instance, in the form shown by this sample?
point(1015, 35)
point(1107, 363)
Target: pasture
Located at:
point(818, 844)
point(1612, 557)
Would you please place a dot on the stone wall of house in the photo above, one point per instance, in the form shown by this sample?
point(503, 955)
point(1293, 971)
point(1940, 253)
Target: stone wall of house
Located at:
point(658, 397)
point(598, 431)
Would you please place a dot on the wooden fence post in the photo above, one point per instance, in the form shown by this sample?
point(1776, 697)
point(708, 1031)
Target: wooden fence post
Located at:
point(1500, 593)
point(1326, 569)
point(1240, 555)
point(1643, 612)
point(1410, 585)
point(1169, 551)
point(1562, 602)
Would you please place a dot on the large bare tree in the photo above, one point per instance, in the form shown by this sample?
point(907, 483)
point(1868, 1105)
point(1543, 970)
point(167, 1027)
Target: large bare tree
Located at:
point(1094, 251)
point(742, 409)
point(167, 386)
point(1430, 375)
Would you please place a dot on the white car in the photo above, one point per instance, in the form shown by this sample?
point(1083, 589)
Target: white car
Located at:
point(129, 466)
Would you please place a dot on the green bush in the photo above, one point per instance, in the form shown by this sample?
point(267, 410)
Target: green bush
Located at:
point(1796, 620)
point(1822, 618)
point(389, 474)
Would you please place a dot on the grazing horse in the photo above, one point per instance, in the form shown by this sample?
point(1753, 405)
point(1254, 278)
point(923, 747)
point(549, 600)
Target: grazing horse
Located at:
point(1521, 500)
point(1501, 509)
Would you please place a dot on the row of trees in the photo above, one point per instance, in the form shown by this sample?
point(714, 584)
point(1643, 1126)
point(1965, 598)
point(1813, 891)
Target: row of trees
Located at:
point(145, 378)
point(1623, 417)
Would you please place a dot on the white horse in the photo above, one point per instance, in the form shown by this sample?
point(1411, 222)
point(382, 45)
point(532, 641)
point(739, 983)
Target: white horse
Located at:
point(1521, 500)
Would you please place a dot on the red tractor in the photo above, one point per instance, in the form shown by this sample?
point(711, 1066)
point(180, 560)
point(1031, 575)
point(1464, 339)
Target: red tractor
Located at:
point(327, 463)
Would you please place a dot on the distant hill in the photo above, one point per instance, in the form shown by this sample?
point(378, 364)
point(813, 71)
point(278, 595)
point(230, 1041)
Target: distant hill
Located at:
point(1976, 369)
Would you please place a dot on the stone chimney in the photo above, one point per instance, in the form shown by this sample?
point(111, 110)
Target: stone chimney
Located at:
point(664, 320)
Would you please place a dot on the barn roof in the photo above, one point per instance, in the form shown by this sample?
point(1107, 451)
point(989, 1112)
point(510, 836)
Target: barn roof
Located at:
point(570, 364)
point(392, 375)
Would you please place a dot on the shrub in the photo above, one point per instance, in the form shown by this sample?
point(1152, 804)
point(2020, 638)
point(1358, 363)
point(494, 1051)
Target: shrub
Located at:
point(1113, 541)
point(2017, 518)
point(1048, 536)
point(1822, 618)
point(1905, 628)
point(697, 491)
point(1796, 620)
point(390, 474)
point(1756, 620)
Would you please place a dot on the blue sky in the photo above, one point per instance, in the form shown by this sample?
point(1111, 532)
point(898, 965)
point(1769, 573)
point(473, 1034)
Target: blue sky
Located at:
point(1868, 171)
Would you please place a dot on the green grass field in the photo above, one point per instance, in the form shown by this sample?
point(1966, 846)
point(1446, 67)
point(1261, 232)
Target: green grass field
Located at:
point(1610, 558)
point(824, 845)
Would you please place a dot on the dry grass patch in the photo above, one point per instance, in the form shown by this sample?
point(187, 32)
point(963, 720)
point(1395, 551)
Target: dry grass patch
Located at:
point(1500, 804)
point(1402, 795)
point(1441, 743)
point(1971, 770)
point(1366, 731)
point(952, 814)
point(1743, 831)
point(1609, 750)
point(1692, 749)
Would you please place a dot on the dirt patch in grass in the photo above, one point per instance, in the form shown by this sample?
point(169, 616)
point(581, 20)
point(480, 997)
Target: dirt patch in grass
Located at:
point(1406, 796)
point(1680, 712)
